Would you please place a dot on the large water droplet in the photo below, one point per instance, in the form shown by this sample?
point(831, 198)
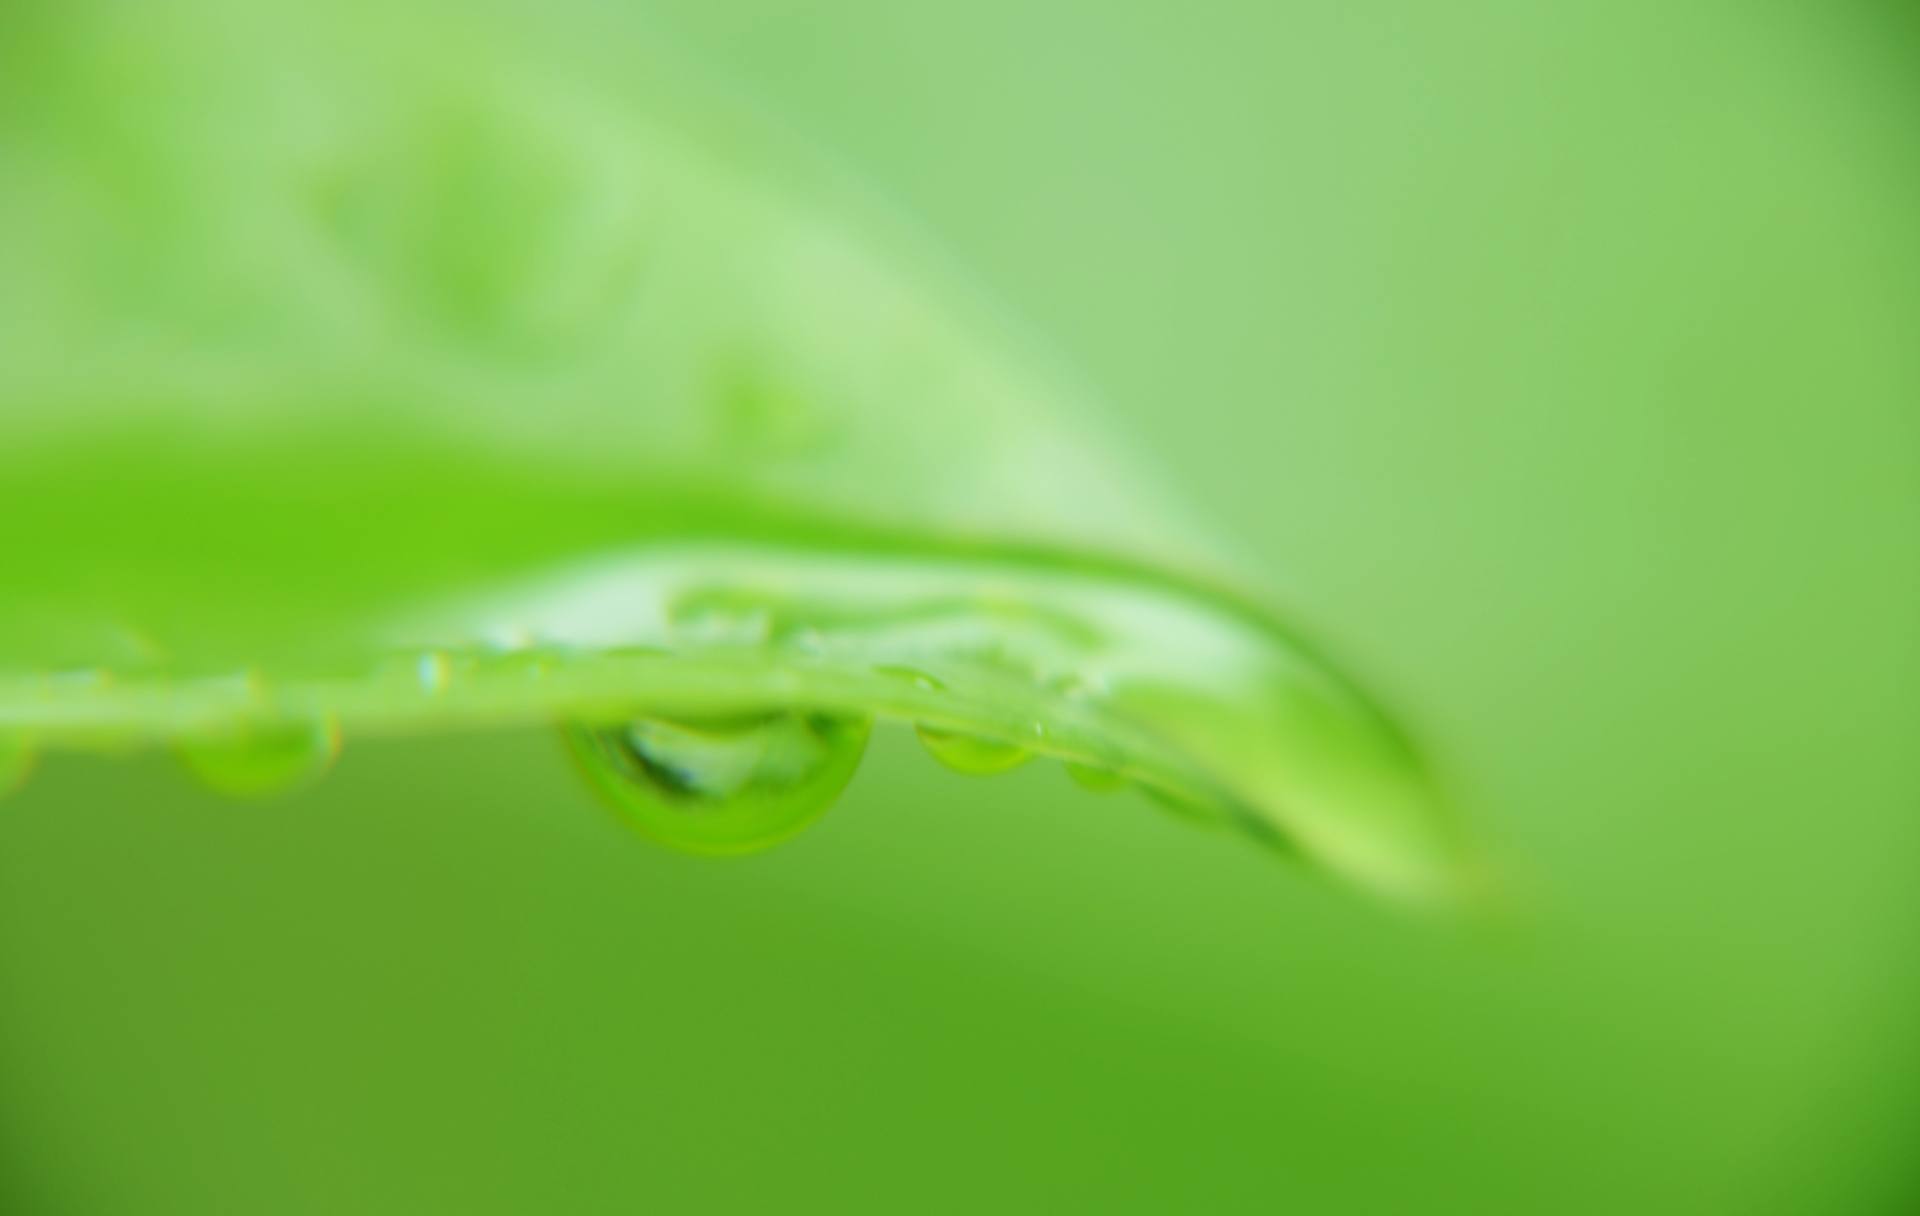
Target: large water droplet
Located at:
point(16, 764)
point(263, 759)
point(965, 753)
point(722, 786)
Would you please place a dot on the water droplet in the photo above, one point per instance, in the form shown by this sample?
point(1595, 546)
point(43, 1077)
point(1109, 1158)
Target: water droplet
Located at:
point(722, 786)
point(1098, 780)
point(263, 759)
point(971, 753)
point(16, 764)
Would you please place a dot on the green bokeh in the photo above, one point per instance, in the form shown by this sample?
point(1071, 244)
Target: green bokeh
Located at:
point(1558, 360)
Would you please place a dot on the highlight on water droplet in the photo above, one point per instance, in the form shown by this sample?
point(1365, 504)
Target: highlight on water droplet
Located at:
point(263, 759)
point(1097, 780)
point(724, 785)
point(964, 753)
point(17, 759)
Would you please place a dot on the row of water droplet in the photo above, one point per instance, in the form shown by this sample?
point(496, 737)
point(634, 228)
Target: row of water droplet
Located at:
point(715, 785)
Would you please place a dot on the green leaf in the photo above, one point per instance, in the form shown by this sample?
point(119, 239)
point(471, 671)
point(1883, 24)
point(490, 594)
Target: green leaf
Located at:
point(351, 381)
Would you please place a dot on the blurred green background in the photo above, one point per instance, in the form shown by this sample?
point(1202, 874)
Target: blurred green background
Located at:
point(1561, 363)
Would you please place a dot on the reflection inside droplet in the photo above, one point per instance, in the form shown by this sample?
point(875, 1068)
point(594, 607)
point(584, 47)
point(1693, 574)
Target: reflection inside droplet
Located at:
point(965, 753)
point(264, 759)
point(722, 785)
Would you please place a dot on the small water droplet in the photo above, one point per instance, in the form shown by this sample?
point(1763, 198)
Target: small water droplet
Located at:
point(1098, 780)
point(16, 764)
point(263, 759)
point(965, 753)
point(722, 786)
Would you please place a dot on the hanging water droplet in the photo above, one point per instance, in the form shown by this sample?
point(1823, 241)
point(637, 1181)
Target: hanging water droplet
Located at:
point(16, 764)
point(965, 753)
point(1098, 780)
point(722, 785)
point(263, 759)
